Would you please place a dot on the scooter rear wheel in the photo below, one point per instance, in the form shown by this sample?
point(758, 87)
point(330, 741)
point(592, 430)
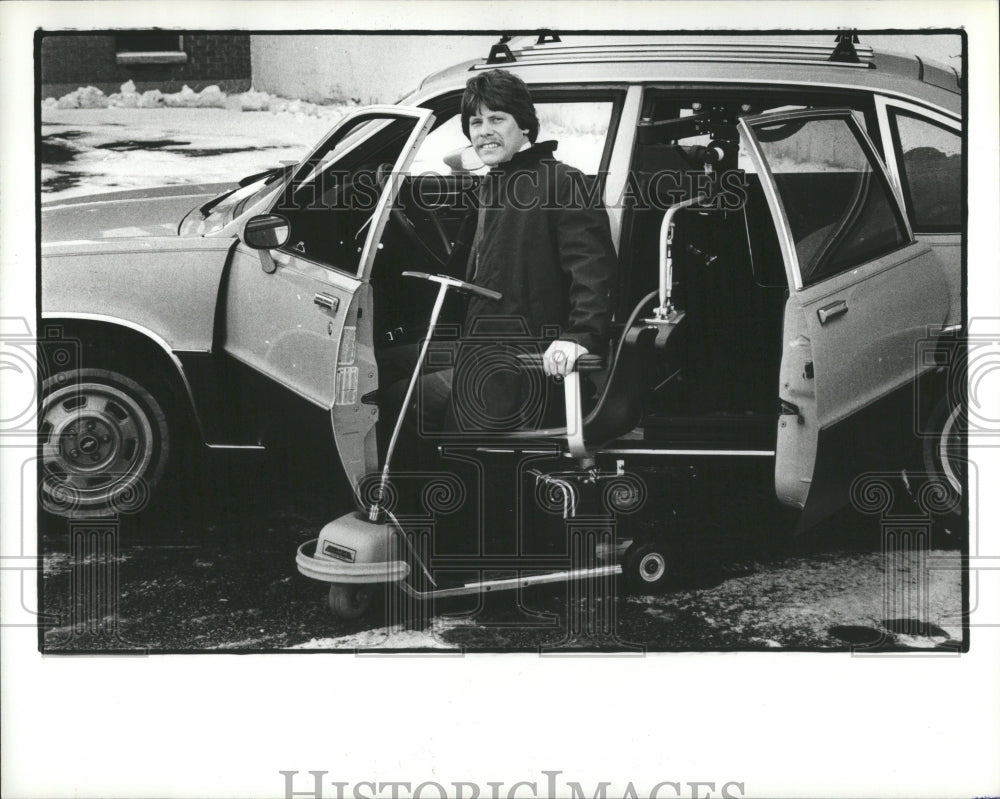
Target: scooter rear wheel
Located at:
point(349, 601)
point(648, 567)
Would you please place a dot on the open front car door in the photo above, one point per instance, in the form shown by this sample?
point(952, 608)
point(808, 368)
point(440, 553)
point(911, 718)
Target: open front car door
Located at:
point(299, 311)
point(862, 294)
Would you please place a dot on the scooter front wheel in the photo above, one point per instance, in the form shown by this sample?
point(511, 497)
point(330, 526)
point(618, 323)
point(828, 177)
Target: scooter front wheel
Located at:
point(351, 601)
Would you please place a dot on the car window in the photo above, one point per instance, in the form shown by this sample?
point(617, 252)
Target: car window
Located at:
point(333, 197)
point(930, 171)
point(837, 200)
point(580, 127)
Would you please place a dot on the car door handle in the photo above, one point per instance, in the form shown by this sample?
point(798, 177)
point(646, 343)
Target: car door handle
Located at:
point(327, 301)
point(828, 312)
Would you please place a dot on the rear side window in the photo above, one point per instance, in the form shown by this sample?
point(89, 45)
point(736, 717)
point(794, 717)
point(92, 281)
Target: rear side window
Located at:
point(930, 171)
point(836, 196)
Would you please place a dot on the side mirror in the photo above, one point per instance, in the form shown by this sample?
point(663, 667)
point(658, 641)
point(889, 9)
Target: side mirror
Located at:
point(266, 232)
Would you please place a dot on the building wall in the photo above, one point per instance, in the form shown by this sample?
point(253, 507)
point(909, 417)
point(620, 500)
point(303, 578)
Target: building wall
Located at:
point(367, 68)
point(74, 60)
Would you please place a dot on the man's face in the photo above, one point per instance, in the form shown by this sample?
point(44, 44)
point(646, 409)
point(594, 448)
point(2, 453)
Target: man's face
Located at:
point(495, 136)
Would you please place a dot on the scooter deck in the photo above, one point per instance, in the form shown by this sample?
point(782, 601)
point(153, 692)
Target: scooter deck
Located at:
point(511, 583)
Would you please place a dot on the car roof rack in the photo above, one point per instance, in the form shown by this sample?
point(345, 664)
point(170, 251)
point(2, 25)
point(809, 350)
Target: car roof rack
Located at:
point(500, 53)
point(548, 48)
point(845, 52)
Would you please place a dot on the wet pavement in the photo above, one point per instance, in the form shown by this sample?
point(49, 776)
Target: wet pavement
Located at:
point(216, 571)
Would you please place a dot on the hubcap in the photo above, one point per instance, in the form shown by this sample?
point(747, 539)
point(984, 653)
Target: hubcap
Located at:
point(652, 567)
point(97, 442)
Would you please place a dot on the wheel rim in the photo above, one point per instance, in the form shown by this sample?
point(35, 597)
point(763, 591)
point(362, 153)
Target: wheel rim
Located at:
point(97, 442)
point(652, 567)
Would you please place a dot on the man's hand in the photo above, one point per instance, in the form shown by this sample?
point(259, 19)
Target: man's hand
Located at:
point(560, 357)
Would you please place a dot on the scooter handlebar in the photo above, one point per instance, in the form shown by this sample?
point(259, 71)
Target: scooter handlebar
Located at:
point(458, 285)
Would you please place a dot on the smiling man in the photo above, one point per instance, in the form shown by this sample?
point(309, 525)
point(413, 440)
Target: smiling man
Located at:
point(540, 240)
point(543, 241)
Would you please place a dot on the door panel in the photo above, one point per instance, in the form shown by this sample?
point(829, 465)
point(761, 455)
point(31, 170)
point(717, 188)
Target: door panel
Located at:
point(286, 323)
point(301, 315)
point(863, 293)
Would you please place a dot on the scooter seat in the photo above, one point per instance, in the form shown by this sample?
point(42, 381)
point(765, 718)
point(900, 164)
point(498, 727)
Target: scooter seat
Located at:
point(620, 405)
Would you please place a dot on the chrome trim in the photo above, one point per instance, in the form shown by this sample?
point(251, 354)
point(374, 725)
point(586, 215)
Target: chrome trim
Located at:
point(637, 451)
point(760, 453)
point(154, 337)
point(948, 120)
point(767, 178)
point(831, 311)
point(873, 152)
point(883, 104)
point(696, 59)
point(502, 450)
point(704, 44)
point(424, 120)
point(788, 252)
point(328, 301)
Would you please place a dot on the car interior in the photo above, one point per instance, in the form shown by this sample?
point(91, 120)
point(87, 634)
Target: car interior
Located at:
point(714, 383)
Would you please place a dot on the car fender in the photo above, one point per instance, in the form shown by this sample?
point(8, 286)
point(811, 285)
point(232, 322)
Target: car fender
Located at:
point(166, 286)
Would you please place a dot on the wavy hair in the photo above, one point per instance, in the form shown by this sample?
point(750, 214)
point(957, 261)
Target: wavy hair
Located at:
point(499, 90)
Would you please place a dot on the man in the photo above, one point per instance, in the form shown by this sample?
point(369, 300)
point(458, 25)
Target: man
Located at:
point(545, 245)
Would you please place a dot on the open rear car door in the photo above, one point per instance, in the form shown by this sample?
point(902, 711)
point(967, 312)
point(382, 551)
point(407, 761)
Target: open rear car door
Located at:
point(301, 313)
point(862, 294)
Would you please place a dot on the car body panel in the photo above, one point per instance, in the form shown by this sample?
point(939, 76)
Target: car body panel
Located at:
point(131, 214)
point(167, 285)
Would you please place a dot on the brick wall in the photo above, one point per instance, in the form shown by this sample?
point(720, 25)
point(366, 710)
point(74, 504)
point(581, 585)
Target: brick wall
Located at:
point(73, 60)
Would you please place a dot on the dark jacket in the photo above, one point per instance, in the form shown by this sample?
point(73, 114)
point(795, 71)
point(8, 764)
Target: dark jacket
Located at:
point(545, 244)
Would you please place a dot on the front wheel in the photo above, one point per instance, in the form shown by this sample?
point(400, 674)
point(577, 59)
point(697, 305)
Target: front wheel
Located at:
point(105, 443)
point(350, 601)
point(944, 455)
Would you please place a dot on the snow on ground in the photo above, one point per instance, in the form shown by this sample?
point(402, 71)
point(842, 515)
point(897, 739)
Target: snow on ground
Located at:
point(396, 637)
point(87, 150)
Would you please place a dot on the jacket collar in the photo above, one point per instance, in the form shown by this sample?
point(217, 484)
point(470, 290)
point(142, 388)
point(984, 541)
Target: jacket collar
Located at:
point(539, 151)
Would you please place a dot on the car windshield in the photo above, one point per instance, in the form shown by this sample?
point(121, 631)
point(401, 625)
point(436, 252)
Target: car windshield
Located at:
point(255, 189)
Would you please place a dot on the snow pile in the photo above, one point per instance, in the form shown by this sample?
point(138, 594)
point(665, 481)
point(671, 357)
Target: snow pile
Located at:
point(254, 101)
point(209, 97)
point(84, 97)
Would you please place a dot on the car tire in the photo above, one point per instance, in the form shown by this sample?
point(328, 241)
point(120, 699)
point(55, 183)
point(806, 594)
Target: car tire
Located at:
point(944, 455)
point(105, 442)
